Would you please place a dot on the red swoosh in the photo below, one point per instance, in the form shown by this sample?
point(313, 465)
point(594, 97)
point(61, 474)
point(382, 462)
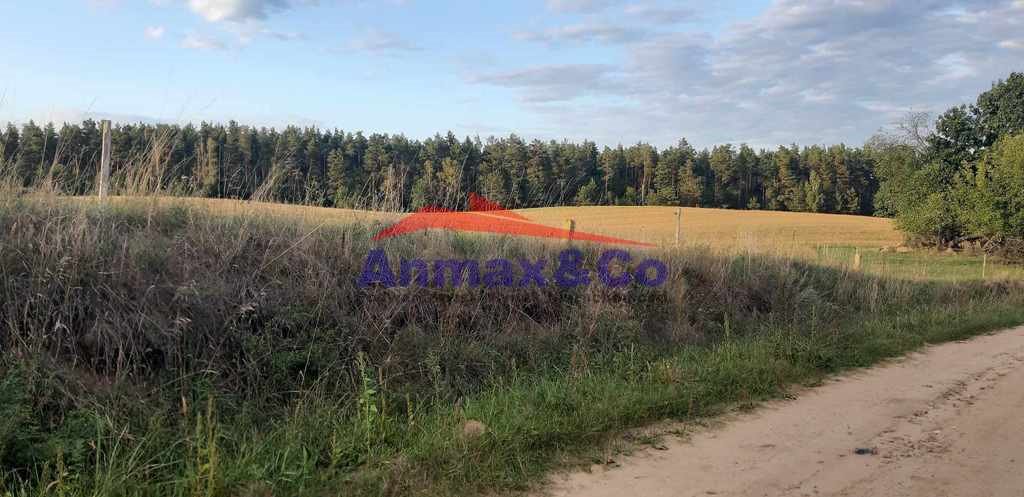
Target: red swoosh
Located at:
point(490, 221)
point(478, 203)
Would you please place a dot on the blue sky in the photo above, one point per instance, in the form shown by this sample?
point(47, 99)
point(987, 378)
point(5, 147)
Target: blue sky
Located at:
point(760, 72)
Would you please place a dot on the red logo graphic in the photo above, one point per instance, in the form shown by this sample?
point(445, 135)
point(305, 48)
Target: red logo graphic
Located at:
point(485, 216)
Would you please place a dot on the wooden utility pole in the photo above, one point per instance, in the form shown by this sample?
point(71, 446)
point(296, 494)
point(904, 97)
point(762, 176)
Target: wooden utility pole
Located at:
point(104, 187)
point(679, 226)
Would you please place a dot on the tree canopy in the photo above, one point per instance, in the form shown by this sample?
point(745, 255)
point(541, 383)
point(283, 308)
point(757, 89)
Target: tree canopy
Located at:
point(964, 179)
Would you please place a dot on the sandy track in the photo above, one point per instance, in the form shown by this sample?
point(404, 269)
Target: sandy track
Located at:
point(948, 421)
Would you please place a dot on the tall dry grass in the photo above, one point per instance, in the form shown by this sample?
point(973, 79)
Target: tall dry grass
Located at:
point(128, 290)
point(176, 348)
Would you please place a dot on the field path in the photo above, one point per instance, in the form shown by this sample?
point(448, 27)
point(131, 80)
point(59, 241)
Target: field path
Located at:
point(947, 421)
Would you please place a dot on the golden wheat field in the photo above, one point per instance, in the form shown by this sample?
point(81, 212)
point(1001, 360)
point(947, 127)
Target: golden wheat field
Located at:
point(716, 228)
point(722, 228)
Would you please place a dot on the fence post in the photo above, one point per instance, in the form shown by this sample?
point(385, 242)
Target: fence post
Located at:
point(570, 226)
point(679, 226)
point(104, 187)
point(856, 260)
point(984, 265)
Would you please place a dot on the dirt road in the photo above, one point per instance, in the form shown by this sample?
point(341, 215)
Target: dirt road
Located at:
point(948, 421)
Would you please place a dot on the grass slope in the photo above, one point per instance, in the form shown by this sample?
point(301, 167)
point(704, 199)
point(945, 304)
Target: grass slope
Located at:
point(153, 348)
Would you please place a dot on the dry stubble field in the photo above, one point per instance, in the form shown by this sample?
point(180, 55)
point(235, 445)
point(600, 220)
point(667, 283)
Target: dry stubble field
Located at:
point(827, 239)
point(717, 228)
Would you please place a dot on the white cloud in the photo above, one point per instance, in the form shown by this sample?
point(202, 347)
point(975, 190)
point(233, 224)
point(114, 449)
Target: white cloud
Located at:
point(954, 66)
point(883, 107)
point(200, 42)
point(155, 32)
point(817, 95)
point(578, 6)
point(282, 35)
point(245, 19)
point(554, 82)
point(584, 33)
point(382, 43)
point(235, 10)
point(247, 31)
point(662, 15)
point(821, 71)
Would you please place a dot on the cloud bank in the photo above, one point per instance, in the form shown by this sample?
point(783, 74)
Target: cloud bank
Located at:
point(823, 71)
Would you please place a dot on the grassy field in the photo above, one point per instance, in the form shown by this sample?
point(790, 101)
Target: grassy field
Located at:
point(826, 239)
point(719, 228)
point(193, 348)
point(924, 265)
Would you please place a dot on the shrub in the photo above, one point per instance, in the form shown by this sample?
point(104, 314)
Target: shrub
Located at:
point(993, 197)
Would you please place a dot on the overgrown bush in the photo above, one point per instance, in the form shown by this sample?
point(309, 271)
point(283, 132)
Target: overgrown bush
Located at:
point(963, 180)
point(993, 196)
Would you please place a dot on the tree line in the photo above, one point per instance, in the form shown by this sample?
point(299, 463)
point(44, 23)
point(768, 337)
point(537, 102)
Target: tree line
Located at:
point(345, 169)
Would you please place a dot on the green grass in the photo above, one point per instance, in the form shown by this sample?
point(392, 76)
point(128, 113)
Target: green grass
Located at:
point(535, 422)
point(924, 265)
point(154, 351)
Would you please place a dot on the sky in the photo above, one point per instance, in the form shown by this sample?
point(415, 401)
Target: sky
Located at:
point(760, 72)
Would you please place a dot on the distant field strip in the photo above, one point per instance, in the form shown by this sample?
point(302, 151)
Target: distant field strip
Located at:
point(719, 228)
point(726, 228)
